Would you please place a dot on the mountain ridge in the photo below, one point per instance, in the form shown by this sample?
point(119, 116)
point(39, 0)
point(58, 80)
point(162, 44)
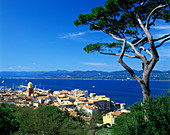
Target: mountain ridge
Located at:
point(64, 74)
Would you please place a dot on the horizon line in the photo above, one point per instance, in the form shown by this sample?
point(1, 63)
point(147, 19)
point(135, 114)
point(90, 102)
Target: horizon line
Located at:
point(72, 70)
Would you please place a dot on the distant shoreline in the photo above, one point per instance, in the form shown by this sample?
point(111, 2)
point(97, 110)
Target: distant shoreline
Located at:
point(84, 75)
point(72, 78)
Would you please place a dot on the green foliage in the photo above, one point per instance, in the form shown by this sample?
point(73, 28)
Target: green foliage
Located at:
point(47, 120)
point(72, 127)
point(92, 47)
point(118, 17)
point(8, 122)
point(104, 131)
point(156, 111)
point(100, 46)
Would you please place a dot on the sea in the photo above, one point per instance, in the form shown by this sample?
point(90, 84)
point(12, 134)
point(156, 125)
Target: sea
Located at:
point(120, 91)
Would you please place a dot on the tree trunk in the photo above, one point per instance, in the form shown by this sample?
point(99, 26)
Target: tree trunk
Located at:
point(145, 90)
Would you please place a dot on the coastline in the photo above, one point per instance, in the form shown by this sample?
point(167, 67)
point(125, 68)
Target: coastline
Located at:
point(127, 91)
point(73, 78)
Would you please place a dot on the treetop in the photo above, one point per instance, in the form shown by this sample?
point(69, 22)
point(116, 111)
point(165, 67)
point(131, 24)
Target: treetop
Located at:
point(125, 20)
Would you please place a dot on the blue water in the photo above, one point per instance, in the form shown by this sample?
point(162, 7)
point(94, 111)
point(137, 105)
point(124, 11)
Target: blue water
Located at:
point(127, 92)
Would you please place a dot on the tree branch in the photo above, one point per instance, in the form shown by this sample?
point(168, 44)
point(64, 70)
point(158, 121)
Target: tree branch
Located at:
point(152, 46)
point(162, 42)
point(146, 50)
point(149, 53)
point(148, 19)
point(125, 65)
point(161, 37)
point(139, 55)
point(141, 40)
point(140, 22)
point(115, 54)
point(156, 17)
point(143, 3)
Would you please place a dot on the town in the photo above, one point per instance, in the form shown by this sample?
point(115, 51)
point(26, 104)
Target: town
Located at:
point(74, 101)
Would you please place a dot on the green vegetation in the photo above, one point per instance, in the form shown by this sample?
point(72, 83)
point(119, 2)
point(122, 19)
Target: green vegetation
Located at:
point(47, 120)
point(104, 131)
point(157, 112)
point(8, 122)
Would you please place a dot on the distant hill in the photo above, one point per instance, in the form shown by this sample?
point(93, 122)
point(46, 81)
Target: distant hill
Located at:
point(63, 74)
point(30, 73)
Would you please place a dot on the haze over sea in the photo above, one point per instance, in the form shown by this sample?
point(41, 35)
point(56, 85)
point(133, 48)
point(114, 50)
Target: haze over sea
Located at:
point(122, 91)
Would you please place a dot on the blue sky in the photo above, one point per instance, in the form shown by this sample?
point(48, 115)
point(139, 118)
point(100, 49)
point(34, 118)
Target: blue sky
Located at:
point(39, 35)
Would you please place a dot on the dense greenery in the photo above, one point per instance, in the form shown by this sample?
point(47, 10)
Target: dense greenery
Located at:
point(158, 113)
point(47, 120)
point(8, 122)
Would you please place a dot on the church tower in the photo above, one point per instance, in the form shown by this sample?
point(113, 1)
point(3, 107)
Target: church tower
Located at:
point(30, 89)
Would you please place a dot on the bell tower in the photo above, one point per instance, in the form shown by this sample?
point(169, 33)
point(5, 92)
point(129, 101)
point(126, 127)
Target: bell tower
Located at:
point(30, 89)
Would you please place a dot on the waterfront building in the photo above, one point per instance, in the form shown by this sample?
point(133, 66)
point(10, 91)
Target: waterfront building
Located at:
point(76, 92)
point(119, 106)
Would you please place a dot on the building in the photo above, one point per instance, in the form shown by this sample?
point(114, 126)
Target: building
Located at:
point(30, 89)
point(110, 117)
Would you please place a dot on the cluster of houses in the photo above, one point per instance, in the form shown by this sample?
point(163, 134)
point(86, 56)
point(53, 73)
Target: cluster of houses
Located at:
point(77, 102)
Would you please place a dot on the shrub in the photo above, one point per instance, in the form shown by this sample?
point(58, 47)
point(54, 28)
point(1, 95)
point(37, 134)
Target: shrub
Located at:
point(157, 112)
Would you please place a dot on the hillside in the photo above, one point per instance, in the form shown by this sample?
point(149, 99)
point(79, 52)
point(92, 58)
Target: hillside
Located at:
point(63, 74)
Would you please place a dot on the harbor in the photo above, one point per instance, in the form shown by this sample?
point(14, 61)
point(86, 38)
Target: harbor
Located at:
point(77, 102)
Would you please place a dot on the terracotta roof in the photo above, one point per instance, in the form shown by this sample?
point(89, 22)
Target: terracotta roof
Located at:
point(92, 107)
point(87, 119)
point(82, 99)
point(28, 102)
point(39, 97)
point(17, 101)
point(90, 102)
point(7, 92)
point(29, 97)
point(74, 97)
point(80, 105)
point(71, 92)
point(73, 113)
point(63, 92)
point(2, 91)
point(116, 113)
point(74, 103)
point(16, 91)
point(70, 109)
